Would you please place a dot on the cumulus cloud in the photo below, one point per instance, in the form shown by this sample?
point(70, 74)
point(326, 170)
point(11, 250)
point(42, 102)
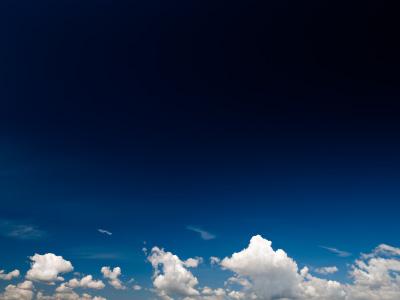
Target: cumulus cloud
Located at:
point(383, 250)
point(203, 234)
point(63, 288)
point(326, 270)
point(137, 287)
point(172, 277)
point(239, 281)
point(273, 274)
point(20, 292)
point(68, 296)
point(193, 262)
point(375, 279)
point(8, 276)
point(340, 253)
point(86, 282)
point(217, 292)
point(314, 288)
point(105, 231)
point(46, 268)
point(260, 272)
point(113, 276)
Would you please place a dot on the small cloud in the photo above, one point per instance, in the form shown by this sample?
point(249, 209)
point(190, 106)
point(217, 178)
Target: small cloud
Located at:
point(113, 276)
point(137, 287)
point(340, 253)
point(105, 231)
point(214, 260)
point(20, 230)
point(326, 270)
point(204, 234)
point(8, 276)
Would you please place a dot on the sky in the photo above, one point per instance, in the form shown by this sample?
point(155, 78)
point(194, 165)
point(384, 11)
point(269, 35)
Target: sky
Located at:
point(199, 150)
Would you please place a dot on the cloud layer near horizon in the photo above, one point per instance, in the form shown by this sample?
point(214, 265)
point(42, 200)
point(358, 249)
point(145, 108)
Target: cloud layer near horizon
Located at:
point(259, 272)
point(263, 273)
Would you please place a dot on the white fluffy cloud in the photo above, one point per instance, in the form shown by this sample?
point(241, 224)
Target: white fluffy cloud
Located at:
point(113, 276)
point(273, 274)
point(377, 278)
point(86, 282)
point(326, 270)
point(46, 268)
point(20, 292)
point(8, 276)
point(259, 273)
point(68, 296)
point(263, 273)
point(173, 277)
point(193, 262)
point(314, 288)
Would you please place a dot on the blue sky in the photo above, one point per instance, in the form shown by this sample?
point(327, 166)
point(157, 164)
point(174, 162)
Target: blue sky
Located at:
point(204, 129)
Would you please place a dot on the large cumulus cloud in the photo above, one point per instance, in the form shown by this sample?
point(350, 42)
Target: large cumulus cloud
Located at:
point(46, 268)
point(173, 277)
point(272, 273)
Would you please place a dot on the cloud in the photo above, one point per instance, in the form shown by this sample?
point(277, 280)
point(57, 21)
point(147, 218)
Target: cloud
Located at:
point(208, 291)
point(259, 273)
point(340, 253)
point(86, 282)
point(273, 274)
point(63, 288)
point(46, 268)
point(204, 234)
point(214, 260)
point(8, 276)
point(113, 275)
point(193, 262)
point(173, 277)
point(68, 296)
point(313, 288)
point(326, 270)
point(20, 292)
point(376, 278)
point(383, 250)
point(20, 230)
point(105, 231)
point(93, 252)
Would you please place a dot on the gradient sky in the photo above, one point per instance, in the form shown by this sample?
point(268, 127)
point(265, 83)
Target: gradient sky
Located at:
point(194, 126)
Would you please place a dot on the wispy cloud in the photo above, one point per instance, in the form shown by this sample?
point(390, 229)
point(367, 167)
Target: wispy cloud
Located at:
point(340, 253)
point(105, 231)
point(95, 252)
point(20, 230)
point(204, 234)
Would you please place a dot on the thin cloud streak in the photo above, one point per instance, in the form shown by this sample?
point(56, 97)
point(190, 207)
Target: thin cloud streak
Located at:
point(20, 230)
point(105, 231)
point(340, 253)
point(204, 234)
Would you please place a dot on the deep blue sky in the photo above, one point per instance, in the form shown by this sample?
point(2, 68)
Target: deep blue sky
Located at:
point(239, 118)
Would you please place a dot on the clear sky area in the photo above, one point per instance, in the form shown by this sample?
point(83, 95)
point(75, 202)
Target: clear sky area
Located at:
point(199, 150)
